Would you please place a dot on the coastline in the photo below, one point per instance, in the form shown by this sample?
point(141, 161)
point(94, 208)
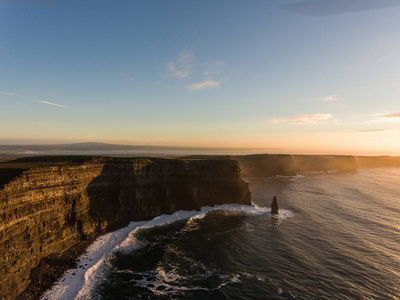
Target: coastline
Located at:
point(74, 281)
point(56, 202)
point(52, 268)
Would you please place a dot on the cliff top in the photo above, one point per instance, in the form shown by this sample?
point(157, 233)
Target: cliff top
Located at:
point(10, 169)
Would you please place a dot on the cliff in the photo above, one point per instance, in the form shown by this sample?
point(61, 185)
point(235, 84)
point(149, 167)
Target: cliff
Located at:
point(378, 161)
point(266, 165)
point(49, 208)
point(311, 163)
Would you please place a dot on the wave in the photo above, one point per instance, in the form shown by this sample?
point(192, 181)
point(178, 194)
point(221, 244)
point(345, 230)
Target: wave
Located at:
point(80, 282)
point(275, 177)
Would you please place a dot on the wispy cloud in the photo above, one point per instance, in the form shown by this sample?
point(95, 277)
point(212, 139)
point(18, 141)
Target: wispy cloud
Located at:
point(372, 130)
point(50, 103)
point(180, 68)
point(303, 119)
point(331, 98)
point(212, 68)
point(9, 94)
point(385, 117)
point(47, 124)
point(208, 84)
point(395, 115)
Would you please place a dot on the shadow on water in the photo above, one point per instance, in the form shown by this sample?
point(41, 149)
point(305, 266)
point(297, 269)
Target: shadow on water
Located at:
point(186, 259)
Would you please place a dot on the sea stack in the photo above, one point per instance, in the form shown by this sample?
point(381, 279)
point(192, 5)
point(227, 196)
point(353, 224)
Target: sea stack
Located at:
point(274, 206)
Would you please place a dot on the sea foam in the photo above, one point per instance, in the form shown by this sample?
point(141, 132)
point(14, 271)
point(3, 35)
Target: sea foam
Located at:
point(79, 283)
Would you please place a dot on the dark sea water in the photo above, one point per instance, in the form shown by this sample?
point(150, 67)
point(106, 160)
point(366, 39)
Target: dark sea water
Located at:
point(337, 237)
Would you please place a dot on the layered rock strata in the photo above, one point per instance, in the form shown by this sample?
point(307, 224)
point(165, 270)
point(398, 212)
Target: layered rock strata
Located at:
point(47, 210)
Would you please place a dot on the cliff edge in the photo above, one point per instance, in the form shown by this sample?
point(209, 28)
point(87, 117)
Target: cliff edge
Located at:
point(55, 206)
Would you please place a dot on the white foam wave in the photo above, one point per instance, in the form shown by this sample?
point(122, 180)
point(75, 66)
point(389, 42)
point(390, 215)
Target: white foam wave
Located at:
point(80, 282)
point(277, 219)
point(321, 172)
point(288, 177)
point(75, 282)
point(275, 177)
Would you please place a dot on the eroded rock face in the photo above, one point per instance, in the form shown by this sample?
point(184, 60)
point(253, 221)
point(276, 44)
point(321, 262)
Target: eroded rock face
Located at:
point(46, 210)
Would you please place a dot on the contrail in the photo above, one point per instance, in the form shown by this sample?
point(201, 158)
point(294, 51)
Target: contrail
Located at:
point(49, 103)
point(40, 101)
point(10, 94)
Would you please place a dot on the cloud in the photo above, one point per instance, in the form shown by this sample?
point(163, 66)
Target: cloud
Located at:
point(180, 68)
point(372, 130)
point(47, 124)
point(303, 119)
point(331, 98)
point(208, 84)
point(395, 115)
point(386, 117)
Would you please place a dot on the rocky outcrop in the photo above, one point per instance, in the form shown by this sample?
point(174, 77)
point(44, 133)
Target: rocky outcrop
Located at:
point(46, 210)
point(274, 206)
point(267, 165)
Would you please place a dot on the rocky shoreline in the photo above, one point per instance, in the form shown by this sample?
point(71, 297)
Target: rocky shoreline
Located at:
point(52, 208)
point(52, 268)
point(47, 209)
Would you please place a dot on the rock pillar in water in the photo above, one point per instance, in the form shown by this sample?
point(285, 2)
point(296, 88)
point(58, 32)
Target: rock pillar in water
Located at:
point(274, 206)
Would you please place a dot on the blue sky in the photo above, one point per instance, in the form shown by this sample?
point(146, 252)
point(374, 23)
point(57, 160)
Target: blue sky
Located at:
point(287, 76)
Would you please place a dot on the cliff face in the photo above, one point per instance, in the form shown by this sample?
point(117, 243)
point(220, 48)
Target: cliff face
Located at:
point(266, 165)
point(378, 161)
point(46, 210)
point(310, 163)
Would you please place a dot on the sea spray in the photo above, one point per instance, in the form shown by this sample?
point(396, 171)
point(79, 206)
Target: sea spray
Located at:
point(80, 283)
point(342, 242)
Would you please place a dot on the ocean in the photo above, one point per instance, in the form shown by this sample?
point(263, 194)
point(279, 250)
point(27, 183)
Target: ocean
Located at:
point(337, 236)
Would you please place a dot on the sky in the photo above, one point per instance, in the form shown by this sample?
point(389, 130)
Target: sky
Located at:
point(285, 76)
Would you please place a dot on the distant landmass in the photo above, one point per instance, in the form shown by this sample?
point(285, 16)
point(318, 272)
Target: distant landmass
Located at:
point(105, 149)
point(93, 148)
